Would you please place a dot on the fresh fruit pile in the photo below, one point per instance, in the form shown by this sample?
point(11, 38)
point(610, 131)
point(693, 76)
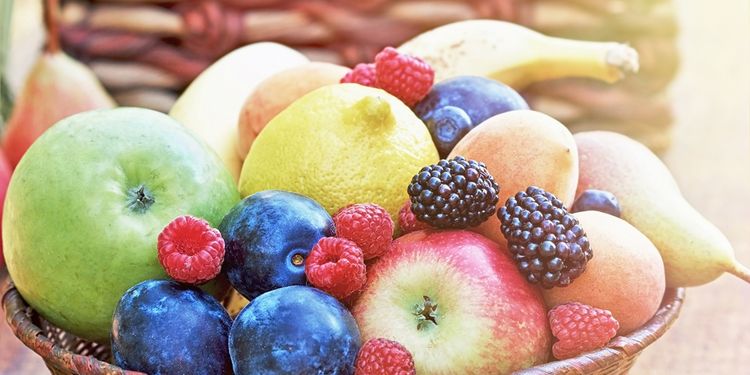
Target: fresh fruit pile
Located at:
point(374, 222)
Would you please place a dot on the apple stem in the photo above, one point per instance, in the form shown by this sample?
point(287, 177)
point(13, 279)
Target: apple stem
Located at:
point(425, 312)
point(739, 270)
point(140, 199)
point(52, 24)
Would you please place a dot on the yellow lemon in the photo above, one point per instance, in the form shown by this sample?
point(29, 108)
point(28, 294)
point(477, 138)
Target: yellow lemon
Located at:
point(341, 144)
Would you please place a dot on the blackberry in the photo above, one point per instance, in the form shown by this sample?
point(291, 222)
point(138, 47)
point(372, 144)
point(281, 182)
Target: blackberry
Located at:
point(455, 193)
point(547, 243)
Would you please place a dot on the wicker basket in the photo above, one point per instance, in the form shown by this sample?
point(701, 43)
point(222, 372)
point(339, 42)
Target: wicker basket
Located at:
point(146, 51)
point(65, 354)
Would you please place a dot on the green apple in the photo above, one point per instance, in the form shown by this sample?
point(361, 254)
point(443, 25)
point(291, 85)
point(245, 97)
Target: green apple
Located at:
point(86, 204)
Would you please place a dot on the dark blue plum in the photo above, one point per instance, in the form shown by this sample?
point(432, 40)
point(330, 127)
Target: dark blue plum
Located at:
point(450, 103)
point(447, 125)
point(161, 327)
point(268, 235)
point(597, 200)
point(294, 330)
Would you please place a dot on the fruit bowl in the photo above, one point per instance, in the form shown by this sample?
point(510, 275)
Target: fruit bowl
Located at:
point(65, 354)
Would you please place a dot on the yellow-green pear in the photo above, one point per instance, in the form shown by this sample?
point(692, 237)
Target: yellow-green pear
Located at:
point(211, 105)
point(695, 252)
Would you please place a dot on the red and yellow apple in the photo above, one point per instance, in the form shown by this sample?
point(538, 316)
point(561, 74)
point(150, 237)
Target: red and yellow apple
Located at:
point(457, 302)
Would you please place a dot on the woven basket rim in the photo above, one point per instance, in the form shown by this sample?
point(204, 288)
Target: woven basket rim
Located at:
point(620, 349)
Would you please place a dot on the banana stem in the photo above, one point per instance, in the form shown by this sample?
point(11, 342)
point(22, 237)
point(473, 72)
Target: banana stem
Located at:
point(607, 61)
point(52, 24)
point(740, 271)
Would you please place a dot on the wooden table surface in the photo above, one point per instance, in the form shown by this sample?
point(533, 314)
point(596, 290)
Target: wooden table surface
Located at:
point(710, 159)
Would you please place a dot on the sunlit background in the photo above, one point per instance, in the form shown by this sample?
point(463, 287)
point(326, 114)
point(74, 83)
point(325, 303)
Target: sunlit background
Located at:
point(710, 158)
point(707, 148)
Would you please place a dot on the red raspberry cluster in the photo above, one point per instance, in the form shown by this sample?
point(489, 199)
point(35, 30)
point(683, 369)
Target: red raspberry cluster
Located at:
point(190, 250)
point(408, 222)
point(337, 265)
point(580, 328)
point(384, 357)
point(406, 77)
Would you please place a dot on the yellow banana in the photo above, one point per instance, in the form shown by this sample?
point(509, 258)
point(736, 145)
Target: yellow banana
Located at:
point(516, 55)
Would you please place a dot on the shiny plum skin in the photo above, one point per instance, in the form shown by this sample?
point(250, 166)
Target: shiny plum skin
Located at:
point(268, 235)
point(294, 330)
point(597, 200)
point(455, 106)
point(162, 327)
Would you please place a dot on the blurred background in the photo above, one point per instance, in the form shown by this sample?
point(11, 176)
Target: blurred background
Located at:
point(146, 51)
point(690, 102)
point(710, 158)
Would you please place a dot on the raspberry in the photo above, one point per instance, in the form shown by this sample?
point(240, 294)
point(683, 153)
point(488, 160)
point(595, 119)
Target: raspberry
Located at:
point(368, 225)
point(580, 328)
point(351, 300)
point(384, 357)
point(364, 74)
point(407, 221)
point(336, 266)
point(405, 77)
point(190, 250)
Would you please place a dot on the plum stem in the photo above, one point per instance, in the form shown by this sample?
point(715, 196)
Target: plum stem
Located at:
point(739, 270)
point(298, 259)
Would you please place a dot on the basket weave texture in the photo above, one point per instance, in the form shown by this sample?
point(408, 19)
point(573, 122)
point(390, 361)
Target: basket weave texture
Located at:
point(146, 51)
point(65, 354)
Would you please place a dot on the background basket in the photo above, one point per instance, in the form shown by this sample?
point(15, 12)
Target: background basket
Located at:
point(65, 354)
point(147, 51)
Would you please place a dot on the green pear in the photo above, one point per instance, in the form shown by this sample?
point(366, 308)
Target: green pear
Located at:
point(695, 252)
